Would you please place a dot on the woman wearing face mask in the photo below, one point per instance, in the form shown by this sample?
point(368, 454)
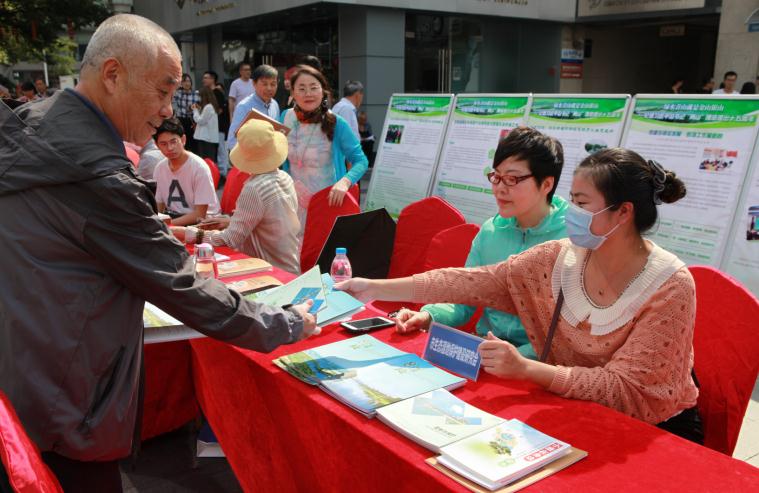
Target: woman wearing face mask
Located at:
point(626, 307)
point(319, 144)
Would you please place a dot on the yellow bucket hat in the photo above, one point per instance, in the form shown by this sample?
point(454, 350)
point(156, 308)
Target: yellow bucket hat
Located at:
point(259, 148)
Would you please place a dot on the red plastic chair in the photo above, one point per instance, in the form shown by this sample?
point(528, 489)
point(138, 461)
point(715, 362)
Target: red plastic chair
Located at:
point(319, 220)
point(418, 223)
point(356, 192)
point(726, 345)
point(27, 473)
point(450, 247)
point(214, 172)
point(132, 154)
point(232, 188)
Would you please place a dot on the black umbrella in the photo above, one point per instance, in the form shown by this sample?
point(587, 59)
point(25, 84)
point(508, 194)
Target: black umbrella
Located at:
point(368, 237)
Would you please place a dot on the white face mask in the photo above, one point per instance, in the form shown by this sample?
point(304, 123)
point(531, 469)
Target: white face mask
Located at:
point(578, 227)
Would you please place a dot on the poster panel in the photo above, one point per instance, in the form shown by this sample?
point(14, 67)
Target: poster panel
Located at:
point(707, 141)
point(478, 123)
point(408, 150)
point(583, 123)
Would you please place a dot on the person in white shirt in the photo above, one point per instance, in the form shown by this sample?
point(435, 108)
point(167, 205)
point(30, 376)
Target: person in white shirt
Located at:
point(353, 95)
point(241, 87)
point(265, 223)
point(150, 156)
point(184, 186)
point(206, 116)
point(729, 83)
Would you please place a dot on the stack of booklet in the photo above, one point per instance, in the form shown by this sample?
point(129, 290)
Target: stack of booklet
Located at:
point(474, 445)
point(367, 374)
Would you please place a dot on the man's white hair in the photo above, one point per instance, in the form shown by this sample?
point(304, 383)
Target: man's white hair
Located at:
point(128, 38)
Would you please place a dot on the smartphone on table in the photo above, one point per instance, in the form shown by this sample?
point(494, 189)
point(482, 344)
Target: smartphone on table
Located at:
point(367, 324)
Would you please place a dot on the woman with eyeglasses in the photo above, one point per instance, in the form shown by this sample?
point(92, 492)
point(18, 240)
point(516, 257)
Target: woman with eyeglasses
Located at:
point(611, 314)
point(527, 166)
point(319, 143)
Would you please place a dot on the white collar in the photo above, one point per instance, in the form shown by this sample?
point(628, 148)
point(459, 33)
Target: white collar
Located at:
point(567, 275)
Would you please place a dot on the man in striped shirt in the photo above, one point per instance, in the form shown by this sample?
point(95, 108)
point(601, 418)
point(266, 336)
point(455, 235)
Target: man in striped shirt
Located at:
point(265, 223)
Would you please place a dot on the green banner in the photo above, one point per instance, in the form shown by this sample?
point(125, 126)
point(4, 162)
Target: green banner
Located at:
point(697, 113)
point(420, 105)
point(494, 108)
point(582, 111)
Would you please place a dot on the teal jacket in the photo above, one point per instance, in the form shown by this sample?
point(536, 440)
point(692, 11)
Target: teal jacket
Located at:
point(345, 145)
point(498, 239)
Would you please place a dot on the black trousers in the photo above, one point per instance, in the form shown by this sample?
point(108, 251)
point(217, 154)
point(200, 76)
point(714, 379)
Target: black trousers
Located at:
point(207, 149)
point(84, 477)
point(687, 425)
point(189, 131)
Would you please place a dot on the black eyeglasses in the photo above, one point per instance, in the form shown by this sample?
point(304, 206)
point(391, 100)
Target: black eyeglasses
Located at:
point(508, 180)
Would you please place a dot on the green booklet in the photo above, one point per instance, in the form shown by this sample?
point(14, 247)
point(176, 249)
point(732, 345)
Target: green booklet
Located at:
point(436, 419)
point(366, 374)
point(502, 454)
point(333, 361)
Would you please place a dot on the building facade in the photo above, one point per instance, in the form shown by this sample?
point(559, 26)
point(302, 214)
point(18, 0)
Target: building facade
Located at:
point(624, 46)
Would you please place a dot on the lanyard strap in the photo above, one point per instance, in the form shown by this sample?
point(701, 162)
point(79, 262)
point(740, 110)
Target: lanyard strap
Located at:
point(552, 328)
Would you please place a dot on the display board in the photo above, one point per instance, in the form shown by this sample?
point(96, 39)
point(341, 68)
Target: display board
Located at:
point(583, 123)
point(707, 141)
point(478, 123)
point(408, 150)
point(742, 255)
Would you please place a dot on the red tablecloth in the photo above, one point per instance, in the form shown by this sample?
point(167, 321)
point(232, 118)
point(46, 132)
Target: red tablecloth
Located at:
point(281, 434)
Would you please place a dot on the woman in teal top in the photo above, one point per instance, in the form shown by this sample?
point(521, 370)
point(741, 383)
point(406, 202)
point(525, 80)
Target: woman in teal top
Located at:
point(319, 143)
point(527, 167)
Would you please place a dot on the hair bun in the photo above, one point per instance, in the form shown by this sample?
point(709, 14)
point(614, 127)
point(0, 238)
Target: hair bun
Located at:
point(674, 188)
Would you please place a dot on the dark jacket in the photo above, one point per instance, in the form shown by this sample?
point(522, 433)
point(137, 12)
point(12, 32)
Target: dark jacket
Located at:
point(82, 248)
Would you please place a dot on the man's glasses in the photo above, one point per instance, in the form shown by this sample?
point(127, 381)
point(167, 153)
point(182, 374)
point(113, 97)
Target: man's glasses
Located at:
point(508, 180)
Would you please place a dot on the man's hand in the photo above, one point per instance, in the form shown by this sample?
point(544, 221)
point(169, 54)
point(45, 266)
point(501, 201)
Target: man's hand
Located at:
point(214, 223)
point(309, 321)
point(337, 194)
point(179, 232)
point(410, 321)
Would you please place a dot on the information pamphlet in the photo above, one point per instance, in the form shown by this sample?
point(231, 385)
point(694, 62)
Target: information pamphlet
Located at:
point(369, 388)
point(241, 267)
point(365, 373)
point(502, 454)
point(340, 305)
point(162, 327)
point(436, 419)
point(307, 286)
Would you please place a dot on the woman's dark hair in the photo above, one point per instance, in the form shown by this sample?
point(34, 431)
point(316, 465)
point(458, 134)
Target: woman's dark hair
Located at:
point(28, 86)
point(321, 114)
point(170, 125)
point(622, 175)
point(544, 154)
point(208, 97)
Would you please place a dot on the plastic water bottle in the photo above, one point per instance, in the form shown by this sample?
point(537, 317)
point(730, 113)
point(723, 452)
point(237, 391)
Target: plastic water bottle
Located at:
point(205, 262)
point(341, 266)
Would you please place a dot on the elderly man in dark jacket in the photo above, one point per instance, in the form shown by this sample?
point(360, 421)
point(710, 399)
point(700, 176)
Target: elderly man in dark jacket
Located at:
point(83, 248)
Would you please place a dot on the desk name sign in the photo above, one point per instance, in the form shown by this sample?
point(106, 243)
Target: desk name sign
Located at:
point(453, 350)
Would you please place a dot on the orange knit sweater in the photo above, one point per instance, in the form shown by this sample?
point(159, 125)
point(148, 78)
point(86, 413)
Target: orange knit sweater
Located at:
point(634, 356)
